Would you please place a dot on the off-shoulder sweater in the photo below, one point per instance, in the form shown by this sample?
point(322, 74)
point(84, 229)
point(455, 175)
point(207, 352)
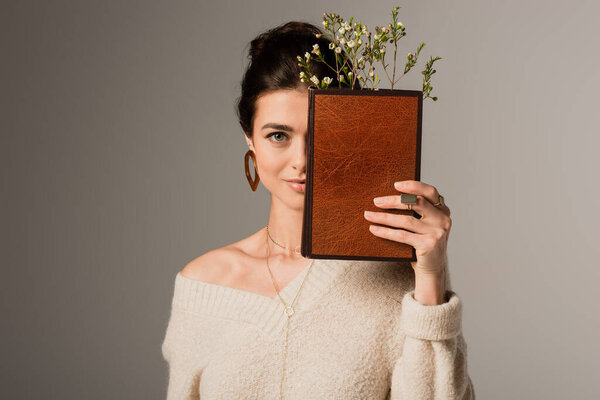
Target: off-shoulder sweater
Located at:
point(357, 333)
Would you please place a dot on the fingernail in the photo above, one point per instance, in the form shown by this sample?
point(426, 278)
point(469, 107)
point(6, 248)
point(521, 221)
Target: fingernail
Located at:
point(369, 214)
point(399, 185)
point(378, 200)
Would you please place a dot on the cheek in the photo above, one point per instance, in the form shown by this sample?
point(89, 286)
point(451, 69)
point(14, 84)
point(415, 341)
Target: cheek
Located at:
point(270, 166)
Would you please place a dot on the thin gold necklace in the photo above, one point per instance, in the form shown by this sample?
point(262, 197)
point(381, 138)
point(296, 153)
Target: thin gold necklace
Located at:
point(296, 249)
point(289, 310)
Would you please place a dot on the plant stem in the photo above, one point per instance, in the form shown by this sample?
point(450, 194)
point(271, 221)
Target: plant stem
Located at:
point(395, 50)
point(385, 70)
point(400, 77)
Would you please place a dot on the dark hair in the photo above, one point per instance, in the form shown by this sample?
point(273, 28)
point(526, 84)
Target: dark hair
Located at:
point(274, 65)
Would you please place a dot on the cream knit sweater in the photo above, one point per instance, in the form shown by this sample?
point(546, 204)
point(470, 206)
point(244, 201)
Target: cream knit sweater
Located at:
point(357, 333)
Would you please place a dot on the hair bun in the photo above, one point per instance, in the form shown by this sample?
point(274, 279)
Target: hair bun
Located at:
point(272, 36)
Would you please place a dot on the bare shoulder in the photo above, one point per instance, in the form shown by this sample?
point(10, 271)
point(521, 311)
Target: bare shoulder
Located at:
point(212, 266)
point(226, 265)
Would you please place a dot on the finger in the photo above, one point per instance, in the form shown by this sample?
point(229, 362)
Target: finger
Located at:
point(408, 222)
point(397, 235)
point(429, 192)
point(422, 207)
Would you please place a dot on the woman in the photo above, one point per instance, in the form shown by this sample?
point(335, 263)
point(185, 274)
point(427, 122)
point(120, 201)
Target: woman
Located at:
point(256, 320)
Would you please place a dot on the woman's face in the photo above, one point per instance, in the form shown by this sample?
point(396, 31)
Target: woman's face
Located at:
point(279, 143)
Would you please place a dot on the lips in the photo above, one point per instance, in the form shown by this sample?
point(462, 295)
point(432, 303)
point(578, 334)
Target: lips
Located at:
point(297, 186)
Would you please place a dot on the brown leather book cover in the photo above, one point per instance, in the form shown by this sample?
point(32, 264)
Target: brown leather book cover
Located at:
point(359, 143)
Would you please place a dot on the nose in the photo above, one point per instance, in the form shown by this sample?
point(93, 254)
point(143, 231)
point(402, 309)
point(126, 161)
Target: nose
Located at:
point(300, 154)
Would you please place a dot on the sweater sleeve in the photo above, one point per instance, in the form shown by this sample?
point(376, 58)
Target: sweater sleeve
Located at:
point(185, 355)
point(433, 360)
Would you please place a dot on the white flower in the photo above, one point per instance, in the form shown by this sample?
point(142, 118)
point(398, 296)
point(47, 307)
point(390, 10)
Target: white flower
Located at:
point(327, 80)
point(341, 30)
point(371, 73)
point(338, 49)
point(350, 43)
point(302, 74)
point(376, 37)
point(316, 46)
point(331, 46)
point(307, 56)
point(382, 48)
point(347, 26)
point(342, 40)
point(314, 79)
point(409, 55)
point(359, 42)
point(399, 25)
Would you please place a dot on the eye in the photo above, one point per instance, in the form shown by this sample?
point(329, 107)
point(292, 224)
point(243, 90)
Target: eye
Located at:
point(276, 133)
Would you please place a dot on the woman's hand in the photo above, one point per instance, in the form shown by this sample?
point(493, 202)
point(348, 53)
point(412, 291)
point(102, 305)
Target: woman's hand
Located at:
point(428, 235)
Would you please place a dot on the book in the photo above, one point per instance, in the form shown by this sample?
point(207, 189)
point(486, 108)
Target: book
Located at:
point(359, 143)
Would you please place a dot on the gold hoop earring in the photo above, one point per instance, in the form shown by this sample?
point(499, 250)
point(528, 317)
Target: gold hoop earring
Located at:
point(253, 182)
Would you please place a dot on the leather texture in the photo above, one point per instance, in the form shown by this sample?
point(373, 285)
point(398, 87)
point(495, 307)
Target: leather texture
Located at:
point(360, 143)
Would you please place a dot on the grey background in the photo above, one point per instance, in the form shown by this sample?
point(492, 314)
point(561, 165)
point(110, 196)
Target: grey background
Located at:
point(122, 160)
